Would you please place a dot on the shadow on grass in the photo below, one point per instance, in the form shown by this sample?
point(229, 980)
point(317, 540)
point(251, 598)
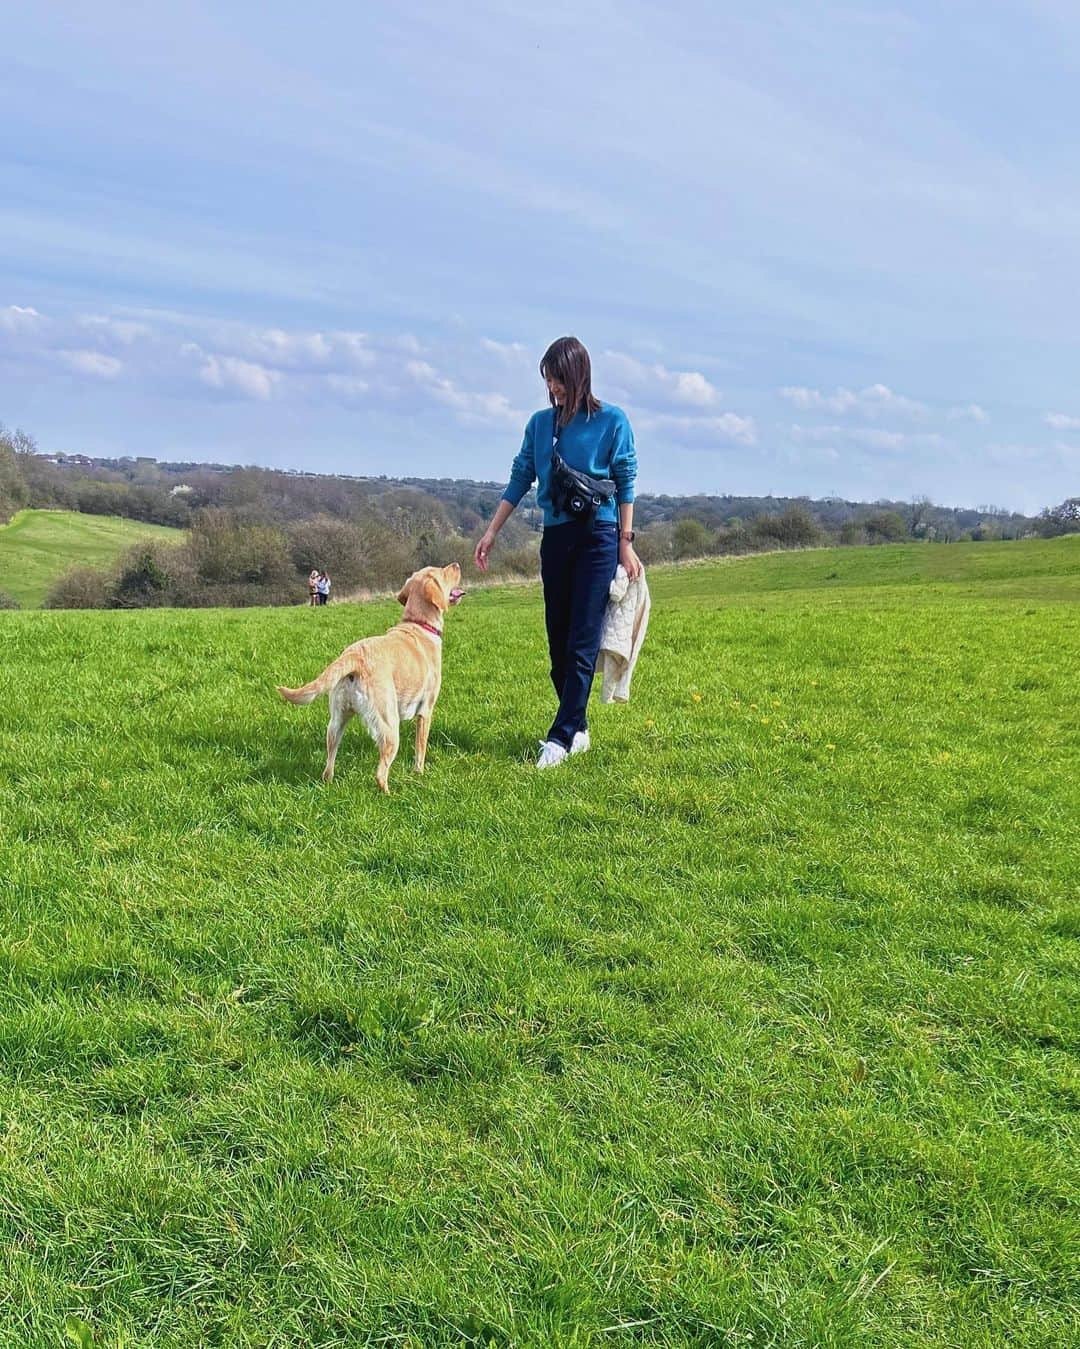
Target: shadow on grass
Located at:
point(491, 743)
point(293, 752)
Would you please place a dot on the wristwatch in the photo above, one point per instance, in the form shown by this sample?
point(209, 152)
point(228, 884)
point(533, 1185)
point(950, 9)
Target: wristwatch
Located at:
point(627, 534)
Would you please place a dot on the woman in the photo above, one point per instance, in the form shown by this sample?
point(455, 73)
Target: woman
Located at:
point(322, 585)
point(313, 587)
point(578, 553)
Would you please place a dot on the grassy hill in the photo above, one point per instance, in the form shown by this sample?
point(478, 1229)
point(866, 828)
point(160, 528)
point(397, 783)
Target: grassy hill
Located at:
point(756, 1025)
point(1051, 566)
point(38, 546)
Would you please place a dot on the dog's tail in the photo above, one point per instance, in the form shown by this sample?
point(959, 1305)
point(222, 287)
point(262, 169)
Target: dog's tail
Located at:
point(349, 663)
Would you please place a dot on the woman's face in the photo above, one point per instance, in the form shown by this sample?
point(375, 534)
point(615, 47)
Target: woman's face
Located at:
point(557, 390)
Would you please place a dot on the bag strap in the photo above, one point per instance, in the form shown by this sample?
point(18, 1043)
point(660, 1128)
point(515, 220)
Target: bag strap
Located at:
point(558, 463)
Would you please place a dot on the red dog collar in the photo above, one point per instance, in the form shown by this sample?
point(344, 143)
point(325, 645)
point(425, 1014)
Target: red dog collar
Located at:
point(428, 627)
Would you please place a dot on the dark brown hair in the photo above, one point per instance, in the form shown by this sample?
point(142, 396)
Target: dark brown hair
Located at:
point(567, 361)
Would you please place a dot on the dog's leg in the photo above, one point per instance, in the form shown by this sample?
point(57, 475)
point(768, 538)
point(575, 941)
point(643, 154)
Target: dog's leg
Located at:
point(340, 714)
point(388, 748)
point(423, 726)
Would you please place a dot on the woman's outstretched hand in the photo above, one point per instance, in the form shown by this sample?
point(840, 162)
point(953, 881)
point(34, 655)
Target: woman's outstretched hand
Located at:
point(483, 548)
point(628, 558)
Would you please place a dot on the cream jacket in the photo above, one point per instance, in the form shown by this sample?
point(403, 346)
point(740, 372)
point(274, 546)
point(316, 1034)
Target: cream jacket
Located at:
point(625, 622)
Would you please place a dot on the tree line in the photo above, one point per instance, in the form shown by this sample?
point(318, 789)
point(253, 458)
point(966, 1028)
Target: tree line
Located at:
point(252, 535)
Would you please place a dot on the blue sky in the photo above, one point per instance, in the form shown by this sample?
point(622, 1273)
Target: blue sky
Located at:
point(829, 248)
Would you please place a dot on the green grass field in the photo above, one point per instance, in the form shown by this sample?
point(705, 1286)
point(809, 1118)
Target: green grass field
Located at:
point(37, 547)
point(758, 1025)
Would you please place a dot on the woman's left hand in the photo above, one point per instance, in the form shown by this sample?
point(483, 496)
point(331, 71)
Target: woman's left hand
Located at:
point(629, 559)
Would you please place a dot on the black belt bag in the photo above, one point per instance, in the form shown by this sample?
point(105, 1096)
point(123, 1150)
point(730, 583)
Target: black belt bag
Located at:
point(575, 493)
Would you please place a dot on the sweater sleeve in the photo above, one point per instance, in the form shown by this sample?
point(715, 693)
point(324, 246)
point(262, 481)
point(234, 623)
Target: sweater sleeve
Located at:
point(624, 461)
point(523, 469)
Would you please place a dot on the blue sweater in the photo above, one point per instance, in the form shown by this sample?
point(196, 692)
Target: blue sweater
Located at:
point(601, 445)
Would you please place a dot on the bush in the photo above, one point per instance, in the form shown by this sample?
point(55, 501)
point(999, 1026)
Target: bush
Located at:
point(6, 602)
point(189, 592)
point(524, 561)
point(340, 547)
point(885, 527)
point(438, 550)
point(852, 533)
point(389, 556)
point(793, 528)
point(1060, 519)
point(80, 588)
point(690, 538)
point(142, 578)
point(100, 498)
point(227, 551)
point(736, 538)
point(654, 544)
point(13, 491)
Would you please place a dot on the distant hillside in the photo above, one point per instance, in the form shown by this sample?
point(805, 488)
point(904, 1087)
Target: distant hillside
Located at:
point(253, 534)
point(169, 493)
point(39, 546)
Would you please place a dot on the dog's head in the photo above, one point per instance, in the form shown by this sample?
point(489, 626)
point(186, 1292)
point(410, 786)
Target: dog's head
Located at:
point(432, 587)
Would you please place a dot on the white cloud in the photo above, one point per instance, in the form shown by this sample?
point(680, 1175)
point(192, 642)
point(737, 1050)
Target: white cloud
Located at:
point(18, 318)
point(1060, 421)
point(92, 363)
point(645, 383)
point(278, 349)
point(469, 405)
point(728, 428)
point(886, 441)
point(873, 438)
point(1014, 454)
point(422, 371)
point(350, 386)
point(691, 387)
point(124, 331)
point(507, 350)
point(971, 412)
point(233, 375)
point(872, 401)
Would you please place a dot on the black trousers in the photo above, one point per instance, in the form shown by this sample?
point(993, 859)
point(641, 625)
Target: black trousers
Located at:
point(577, 563)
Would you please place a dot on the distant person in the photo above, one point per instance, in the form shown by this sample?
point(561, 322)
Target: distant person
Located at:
point(322, 585)
point(313, 587)
point(581, 453)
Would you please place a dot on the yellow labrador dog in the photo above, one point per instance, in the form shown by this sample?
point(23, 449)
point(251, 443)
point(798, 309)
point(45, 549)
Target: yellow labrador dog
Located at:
point(390, 678)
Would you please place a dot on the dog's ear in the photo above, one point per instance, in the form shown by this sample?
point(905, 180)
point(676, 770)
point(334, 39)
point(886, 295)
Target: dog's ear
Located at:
point(403, 593)
point(434, 593)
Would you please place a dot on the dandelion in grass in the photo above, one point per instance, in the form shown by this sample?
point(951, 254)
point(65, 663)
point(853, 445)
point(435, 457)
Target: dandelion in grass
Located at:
point(696, 697)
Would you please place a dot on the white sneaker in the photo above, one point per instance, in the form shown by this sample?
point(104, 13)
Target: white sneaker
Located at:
point(580, 742)
point(551, 754)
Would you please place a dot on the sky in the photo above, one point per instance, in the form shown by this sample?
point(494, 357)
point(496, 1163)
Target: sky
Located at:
point(827, 249)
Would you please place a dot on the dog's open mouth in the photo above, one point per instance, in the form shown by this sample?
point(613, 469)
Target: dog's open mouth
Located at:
point(456, 595)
